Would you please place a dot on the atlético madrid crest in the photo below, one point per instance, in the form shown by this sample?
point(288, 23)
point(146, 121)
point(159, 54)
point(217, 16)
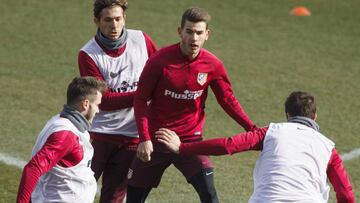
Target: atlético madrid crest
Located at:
point(201, 78)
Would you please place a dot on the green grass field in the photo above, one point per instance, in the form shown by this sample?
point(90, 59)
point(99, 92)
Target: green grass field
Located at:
point(267, 54)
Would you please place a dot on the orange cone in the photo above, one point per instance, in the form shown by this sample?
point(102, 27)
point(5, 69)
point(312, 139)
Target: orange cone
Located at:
point(300, 11)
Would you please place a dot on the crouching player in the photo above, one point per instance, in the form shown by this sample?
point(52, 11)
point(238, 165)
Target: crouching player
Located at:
point(296, 159)
point(59, 170)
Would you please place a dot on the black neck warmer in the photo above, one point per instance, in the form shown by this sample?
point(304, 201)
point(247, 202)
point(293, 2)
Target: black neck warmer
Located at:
point(305, 121)
point(112, 44)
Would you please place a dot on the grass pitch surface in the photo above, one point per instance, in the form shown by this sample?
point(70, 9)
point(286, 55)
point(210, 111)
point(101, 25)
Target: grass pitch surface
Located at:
point(267, 53)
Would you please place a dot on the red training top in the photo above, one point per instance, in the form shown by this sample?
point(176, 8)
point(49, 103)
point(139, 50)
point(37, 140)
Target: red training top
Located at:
point(176, 89)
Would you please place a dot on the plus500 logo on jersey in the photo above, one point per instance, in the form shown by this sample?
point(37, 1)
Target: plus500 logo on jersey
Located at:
point(186, 95)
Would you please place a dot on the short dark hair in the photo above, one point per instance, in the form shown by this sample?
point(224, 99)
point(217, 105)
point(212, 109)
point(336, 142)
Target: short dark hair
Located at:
point(300, 103)
point(82, 88)
point(99, 5)
point(195, 14)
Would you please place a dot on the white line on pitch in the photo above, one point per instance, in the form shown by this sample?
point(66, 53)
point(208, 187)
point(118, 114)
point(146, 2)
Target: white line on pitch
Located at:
point(351, 155)
point(19, 163)
point(13, 161)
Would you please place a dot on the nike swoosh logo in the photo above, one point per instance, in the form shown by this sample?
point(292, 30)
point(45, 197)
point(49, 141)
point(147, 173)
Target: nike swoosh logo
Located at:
point(114, 74)
point(209, 173)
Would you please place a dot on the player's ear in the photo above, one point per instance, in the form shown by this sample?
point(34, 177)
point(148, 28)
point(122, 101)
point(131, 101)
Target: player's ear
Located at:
point(314, 116)
point(96, 21)
point(85, 104)
point(208, 32)
point(179, 30)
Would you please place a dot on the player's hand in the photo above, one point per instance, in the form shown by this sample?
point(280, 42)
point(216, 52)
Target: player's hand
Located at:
point(169, 138)
point(144, 151)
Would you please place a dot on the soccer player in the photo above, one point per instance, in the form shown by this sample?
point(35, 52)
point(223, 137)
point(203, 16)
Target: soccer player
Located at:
point(59, 170)
point(171, 94)
point(116, 55)
point(296, 159)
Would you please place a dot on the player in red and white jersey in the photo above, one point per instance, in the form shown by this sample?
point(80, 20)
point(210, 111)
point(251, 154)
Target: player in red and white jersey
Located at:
point(296, 159)
point(175, 82)
point(116, 55)
point(59, 170)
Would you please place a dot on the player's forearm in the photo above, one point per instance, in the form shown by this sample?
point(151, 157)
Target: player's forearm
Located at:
point(30, 177)
point(339, 179)
point(252, 140)
point(215, 147)
point(141, 118)
point(115, 101)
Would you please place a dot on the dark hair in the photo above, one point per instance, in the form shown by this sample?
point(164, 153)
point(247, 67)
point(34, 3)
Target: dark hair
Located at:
point(195, 14)
point(300, 103)
point(99, 5)
point(82, 88)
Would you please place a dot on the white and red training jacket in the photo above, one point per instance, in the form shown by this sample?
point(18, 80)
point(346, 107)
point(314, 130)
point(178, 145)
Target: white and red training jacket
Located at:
point(59, 170)
point(294, 164)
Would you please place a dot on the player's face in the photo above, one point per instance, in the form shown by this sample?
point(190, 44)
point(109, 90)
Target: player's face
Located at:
point(111, 22)
point(93, 107)
point(193, 36)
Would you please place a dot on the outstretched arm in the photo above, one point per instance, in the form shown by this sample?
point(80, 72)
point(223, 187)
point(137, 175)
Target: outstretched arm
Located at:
point(252, 140)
